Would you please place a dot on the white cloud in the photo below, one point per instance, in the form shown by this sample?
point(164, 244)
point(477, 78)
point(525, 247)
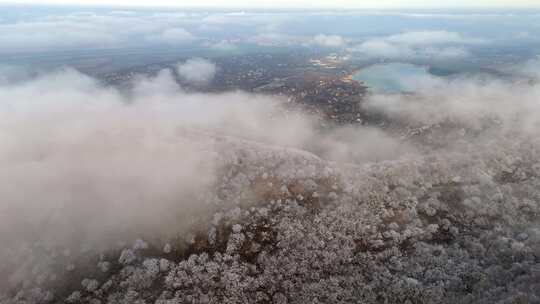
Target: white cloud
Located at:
point(465, 100)
point(423, 44)
point(224, 45)
point(197, 71)
point(431, 38)
point(54, 34)
point(73, 151)
point(105, 151)
point(529, 69)
point(380, 48)
point(82, 30)
point(173, 36)
point(136, 28)
point(268, 20)
point(329, 40)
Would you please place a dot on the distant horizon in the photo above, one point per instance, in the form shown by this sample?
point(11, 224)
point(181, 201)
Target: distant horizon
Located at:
point(164, 4)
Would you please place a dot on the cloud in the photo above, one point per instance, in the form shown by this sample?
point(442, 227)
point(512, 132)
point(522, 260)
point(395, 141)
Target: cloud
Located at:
point(329, 41)
point(224, 45)
point(108, 161)
point(438, 45)
point(59, 30)
point(91, 28)
point(431, 38)
point(380, 48)
point(97, 162)
point(48, 35)
point(450, 16)
point(530, 68)
point(267, 20)
point(173, 36)
point(466, 101)
point(95, 30)
point(197, 71)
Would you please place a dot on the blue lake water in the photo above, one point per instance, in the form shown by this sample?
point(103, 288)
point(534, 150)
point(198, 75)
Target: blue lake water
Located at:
point(391, 77)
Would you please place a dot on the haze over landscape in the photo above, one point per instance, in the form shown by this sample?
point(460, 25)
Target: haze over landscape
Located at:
point(284, 152)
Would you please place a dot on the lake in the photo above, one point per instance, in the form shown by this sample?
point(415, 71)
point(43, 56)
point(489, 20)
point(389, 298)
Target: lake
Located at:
point(391, 77)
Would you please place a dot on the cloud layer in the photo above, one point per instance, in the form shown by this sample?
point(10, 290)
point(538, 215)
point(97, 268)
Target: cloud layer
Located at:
point(75, 29)
point(108, 162)
point(423, 44)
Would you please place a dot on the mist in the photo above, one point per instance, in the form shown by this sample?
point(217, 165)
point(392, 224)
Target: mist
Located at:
point(197, 71)
point(466, 100)
point(85, 162)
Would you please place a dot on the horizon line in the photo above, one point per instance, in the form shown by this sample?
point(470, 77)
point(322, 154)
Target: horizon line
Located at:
point(309, 8)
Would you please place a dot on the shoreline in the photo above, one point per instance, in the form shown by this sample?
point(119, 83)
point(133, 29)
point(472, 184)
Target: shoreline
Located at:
point(349, 77)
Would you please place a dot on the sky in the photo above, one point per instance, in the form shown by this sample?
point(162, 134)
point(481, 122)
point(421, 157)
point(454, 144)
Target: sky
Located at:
point(297, 3)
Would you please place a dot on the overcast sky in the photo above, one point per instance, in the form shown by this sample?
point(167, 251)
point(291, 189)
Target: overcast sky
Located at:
point(297, 3)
